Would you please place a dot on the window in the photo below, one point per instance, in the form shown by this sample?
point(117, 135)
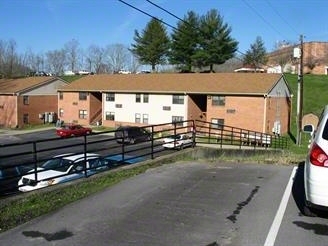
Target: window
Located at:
point(218, 100)
point(178, 120)
point(166, 108)
point(25, 119)
point(61, 95)
point(145, 118)
point(110, 97)
point(145, 98)
point(110, 116)
point(138, 98)
point(118, 105)
point(61, 112)
point(83, 95)
point(178, 99)
point(83, 114)
point(25, 100)
point(137, 118)
point(217, 123)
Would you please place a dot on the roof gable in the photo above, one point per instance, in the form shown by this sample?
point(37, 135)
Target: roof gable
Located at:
point(16, 86)
point(194, 83)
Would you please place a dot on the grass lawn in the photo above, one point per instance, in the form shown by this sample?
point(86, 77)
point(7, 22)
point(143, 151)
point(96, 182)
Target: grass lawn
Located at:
point(313, 102)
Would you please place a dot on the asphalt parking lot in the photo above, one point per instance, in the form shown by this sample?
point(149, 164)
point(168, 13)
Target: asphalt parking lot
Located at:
point(187, 203)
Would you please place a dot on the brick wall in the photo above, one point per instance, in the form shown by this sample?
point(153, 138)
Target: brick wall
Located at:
point(313, 53)
point(36, 105)
point(251, 113)
point(8, 113)
point(71, 105)
point(241, 112)
point(278, 109)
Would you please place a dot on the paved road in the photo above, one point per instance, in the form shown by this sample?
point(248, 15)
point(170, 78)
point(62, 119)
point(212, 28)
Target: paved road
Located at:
point(192, 203)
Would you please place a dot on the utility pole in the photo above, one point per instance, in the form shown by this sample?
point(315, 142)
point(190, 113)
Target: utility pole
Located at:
point(300, 92)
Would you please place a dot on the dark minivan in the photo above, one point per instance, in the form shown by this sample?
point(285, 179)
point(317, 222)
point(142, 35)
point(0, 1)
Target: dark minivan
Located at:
point(131, 134)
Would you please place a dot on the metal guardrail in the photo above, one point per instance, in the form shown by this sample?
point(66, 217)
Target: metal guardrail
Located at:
point(223, 135)
point(30, 154)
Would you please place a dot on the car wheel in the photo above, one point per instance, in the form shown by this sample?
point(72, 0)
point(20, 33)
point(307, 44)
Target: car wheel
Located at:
point(181, 147)
point(307, 211)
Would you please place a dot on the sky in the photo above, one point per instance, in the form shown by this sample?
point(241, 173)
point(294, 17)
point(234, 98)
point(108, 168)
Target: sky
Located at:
point(46, 25)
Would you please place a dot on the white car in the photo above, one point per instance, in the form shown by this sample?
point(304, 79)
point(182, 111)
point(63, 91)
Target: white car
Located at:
point(316, 167)
point(62, 168)
point(83, 72)
point(178, 141)
point(122, 71)
point(69, 73)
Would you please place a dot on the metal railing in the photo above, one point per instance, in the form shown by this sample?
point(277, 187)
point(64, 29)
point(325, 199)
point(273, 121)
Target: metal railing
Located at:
point(30, 155)
point(225, 136)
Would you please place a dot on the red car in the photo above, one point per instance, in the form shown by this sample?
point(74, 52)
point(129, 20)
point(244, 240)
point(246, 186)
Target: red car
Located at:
point(70, 130)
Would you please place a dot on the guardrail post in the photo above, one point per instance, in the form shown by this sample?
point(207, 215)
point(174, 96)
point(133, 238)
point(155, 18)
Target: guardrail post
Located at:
point(35, 159)
point(193, 133)
point(152, 142)
point(85, 156)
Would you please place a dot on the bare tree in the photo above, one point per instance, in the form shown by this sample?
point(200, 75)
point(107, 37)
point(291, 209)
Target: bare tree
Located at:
point(283, 59)
point(95, 58)
point(9, 58)
point(135, 63)
point(72, 49)
point(23, 61)
point(56, 61)
point(117, 57)
point(2, 58)
point(311, 62)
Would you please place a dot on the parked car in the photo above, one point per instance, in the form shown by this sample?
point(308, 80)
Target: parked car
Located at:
point(9, 176)
point(69, 73)
point(122, 71)
point(131, 134)
point(69, 130)
point(178, 141)
point(83, 72)
point(119, 159)
point(40, 73)
point(62, 168)
point(316, 167)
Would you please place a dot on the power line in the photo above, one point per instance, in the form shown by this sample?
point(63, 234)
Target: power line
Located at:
point(263, 19)
point(175, 16)
point(281, 17)
point(131, 6)
point(170, 13)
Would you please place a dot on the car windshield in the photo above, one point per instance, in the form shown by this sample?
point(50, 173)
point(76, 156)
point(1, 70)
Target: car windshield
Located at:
point(59, 164)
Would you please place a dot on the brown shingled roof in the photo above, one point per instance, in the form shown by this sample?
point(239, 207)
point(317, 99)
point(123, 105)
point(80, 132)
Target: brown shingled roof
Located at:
point(11, 86)
point(205, 83)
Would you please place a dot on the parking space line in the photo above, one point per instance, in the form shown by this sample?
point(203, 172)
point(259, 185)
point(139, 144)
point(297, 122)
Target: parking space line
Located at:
point(272, 235)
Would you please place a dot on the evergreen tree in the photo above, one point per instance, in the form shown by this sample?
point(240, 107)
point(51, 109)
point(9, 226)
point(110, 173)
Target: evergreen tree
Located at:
point(185, 42)
point(215, 46)
point(152, 46)
point(256, 55)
